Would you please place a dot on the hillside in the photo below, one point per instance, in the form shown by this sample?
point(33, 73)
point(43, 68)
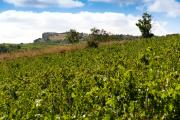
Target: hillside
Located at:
point(136, 80)
point(53, 37)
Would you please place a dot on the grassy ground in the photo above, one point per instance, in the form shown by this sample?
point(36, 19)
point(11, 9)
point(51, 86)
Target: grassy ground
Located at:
point(136, 80)
point(34, 50)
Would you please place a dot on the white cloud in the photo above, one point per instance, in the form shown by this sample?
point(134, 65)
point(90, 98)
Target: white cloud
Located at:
point(106, 1)
point(46, 3)
point(121, 2)
point(170, 7)
point(160, 27)
point(19, 26)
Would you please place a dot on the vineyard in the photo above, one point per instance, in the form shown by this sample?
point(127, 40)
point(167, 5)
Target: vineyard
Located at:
point(136, 80)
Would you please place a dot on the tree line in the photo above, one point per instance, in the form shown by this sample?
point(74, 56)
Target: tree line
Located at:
point(144, 24)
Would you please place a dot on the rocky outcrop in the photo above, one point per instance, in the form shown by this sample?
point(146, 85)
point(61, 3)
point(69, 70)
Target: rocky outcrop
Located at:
point(52, 36)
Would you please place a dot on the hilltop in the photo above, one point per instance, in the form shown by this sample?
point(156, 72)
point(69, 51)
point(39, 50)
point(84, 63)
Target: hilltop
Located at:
point(53, 37)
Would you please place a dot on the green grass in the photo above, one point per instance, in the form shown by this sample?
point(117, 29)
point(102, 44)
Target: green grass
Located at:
point(31, 46)
point(24, 47)
point(136, 80)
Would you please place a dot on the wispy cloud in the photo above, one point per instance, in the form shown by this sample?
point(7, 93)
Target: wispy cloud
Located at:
point(121, 2)
point(170, 7)
point(106, 1)
point(46, 3)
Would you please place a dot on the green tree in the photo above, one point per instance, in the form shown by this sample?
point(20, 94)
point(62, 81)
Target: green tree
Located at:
point(93, 38)
point(145, 25)
point(97, 36)
point(72, 36)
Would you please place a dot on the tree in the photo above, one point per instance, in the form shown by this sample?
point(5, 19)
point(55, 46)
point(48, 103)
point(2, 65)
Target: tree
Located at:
point(97, 36)
point(145, 25)
point(93, 38)
point(72, 36)
point(95, 31)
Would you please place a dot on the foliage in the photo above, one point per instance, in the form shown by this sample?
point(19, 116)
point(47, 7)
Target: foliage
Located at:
point(121, 37)
point(92, 43)
point(97, 36)
point(8, 48)
point(145, 25)
point(137, 80)
point(72, 36)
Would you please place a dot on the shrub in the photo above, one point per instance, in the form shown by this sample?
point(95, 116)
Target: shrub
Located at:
point(93, 43)
point(72, 36)
point(8, 48)
point(3, 48)
point(97, 36)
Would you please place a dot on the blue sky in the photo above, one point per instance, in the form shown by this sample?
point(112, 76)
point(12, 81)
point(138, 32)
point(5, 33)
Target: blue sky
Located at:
point(25, 20)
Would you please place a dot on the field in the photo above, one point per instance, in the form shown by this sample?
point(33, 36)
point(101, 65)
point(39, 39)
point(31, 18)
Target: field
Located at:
point(136, 80)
